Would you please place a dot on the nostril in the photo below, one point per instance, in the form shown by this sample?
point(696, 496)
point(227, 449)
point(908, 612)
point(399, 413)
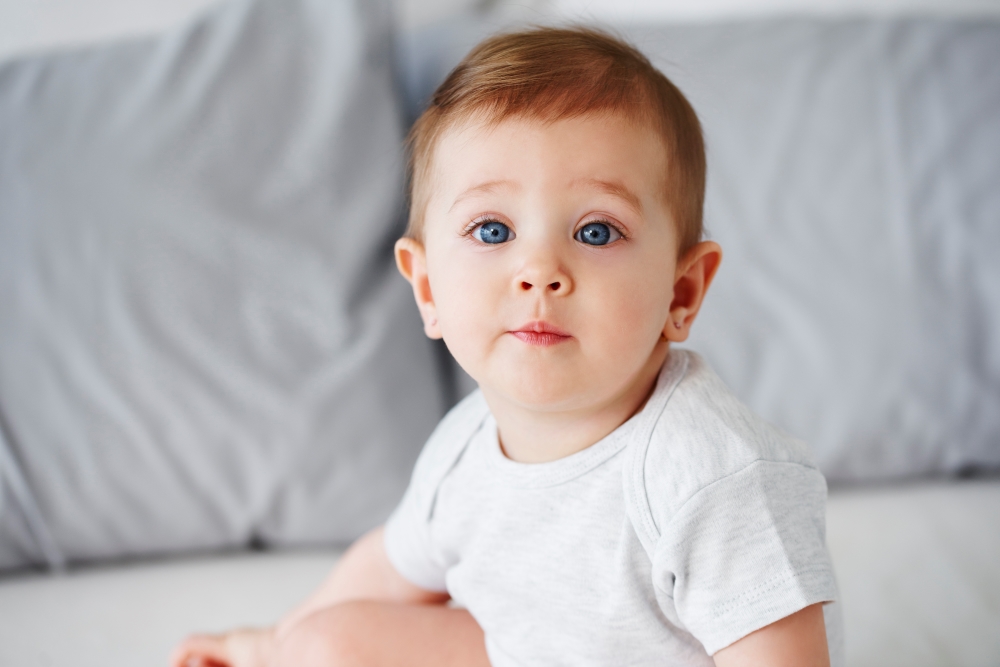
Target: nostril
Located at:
point(554, 286)
point(525, 285)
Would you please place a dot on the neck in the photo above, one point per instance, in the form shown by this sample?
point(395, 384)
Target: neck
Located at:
point(532, 435)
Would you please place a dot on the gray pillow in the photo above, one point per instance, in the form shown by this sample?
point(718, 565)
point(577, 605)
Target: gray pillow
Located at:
point(854, 184)
point(203, 341)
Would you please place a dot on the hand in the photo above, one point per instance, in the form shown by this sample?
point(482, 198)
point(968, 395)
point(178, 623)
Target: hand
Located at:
point(248, 647)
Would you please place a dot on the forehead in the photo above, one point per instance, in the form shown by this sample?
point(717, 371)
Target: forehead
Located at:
point(516, 152)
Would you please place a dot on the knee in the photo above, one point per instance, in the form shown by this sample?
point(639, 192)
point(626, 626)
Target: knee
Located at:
point(333, 637)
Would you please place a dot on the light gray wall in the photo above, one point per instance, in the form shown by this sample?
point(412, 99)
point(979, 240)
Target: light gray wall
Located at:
point(34, 25)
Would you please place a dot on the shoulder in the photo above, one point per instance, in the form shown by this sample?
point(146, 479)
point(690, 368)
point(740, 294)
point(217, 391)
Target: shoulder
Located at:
point(730, 509)
point(705, 435)
point(445, 445)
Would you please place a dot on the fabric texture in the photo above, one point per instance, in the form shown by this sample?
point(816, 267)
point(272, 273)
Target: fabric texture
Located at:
point(853, 171)
point(549, 561)
point(203, 340)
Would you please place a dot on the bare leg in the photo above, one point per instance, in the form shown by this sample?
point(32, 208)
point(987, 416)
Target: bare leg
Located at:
point(384, 634)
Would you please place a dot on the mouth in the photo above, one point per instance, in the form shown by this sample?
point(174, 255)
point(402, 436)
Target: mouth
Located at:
point(540, 334)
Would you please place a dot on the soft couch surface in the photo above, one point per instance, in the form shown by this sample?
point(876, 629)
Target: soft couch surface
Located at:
point(203, 339)
point(916, 565)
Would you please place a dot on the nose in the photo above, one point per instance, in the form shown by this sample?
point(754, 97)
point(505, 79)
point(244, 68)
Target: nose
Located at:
point(556, 287)
point(545, 274)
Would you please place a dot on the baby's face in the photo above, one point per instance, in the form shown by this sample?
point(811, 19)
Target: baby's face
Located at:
point(550, 257)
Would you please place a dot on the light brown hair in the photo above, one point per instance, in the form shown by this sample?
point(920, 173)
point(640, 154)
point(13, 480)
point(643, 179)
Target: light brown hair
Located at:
point(550, 74)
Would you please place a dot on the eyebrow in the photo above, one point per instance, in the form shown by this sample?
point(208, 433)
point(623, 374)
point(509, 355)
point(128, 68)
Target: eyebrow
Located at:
point(615, 189)
point(482, 189)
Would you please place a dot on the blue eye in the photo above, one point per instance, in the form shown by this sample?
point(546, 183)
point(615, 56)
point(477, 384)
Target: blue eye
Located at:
point(597, 233)
point(493, 232)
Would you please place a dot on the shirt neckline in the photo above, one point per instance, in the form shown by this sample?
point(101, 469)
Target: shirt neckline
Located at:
point(560, 471)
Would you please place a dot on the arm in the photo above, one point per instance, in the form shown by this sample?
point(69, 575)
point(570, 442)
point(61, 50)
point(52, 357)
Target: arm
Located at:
point(798, 640)
point(363, 573)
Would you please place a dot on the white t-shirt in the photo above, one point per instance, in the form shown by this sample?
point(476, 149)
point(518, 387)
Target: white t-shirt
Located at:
point(688, 527)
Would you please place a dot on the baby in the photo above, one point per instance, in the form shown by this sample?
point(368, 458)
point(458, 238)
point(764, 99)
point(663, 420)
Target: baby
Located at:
point(603, 499)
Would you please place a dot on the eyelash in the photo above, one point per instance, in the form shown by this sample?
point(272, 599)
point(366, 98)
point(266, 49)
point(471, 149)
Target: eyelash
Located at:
point(605, 221)
point(479, 222)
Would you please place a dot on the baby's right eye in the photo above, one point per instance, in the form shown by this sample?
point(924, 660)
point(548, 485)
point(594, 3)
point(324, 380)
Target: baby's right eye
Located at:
point(493, 232)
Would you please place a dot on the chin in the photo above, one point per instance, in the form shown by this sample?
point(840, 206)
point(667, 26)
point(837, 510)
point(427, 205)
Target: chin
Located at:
point(543, 389)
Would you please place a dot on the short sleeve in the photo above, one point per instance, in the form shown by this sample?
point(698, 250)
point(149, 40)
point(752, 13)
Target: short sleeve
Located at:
point(408, 540)
point(746, 551)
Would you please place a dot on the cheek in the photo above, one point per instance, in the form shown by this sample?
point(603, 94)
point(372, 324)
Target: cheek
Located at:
point(631, 305)
point(467, 298)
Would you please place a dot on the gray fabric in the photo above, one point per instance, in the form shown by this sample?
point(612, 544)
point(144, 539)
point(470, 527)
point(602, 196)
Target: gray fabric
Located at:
point(549, 559)
point(203, 340)
point(854, 184)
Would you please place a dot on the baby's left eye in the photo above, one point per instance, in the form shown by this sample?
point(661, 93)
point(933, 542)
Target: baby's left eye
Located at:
point(597, 233)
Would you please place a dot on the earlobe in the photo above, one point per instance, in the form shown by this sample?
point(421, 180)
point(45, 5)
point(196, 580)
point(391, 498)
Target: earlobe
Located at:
point(411, 260)
point(695, 272)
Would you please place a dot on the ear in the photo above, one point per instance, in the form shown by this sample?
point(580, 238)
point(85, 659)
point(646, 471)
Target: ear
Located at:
point(411, 260)
point(694, 274)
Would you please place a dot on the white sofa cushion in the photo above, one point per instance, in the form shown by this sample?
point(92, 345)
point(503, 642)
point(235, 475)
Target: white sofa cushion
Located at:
point(916, 565)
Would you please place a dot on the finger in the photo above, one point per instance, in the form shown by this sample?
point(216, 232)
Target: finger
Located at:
point(246, 647)
point(201, 651)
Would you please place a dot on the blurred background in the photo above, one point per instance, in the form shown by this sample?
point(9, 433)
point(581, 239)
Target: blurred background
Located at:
point(212, 379)
point(31, 25)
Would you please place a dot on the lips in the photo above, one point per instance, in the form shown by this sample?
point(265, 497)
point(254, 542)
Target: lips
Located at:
point(540, 334)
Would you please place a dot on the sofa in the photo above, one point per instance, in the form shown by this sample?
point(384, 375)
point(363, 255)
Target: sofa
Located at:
point(212, 380)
